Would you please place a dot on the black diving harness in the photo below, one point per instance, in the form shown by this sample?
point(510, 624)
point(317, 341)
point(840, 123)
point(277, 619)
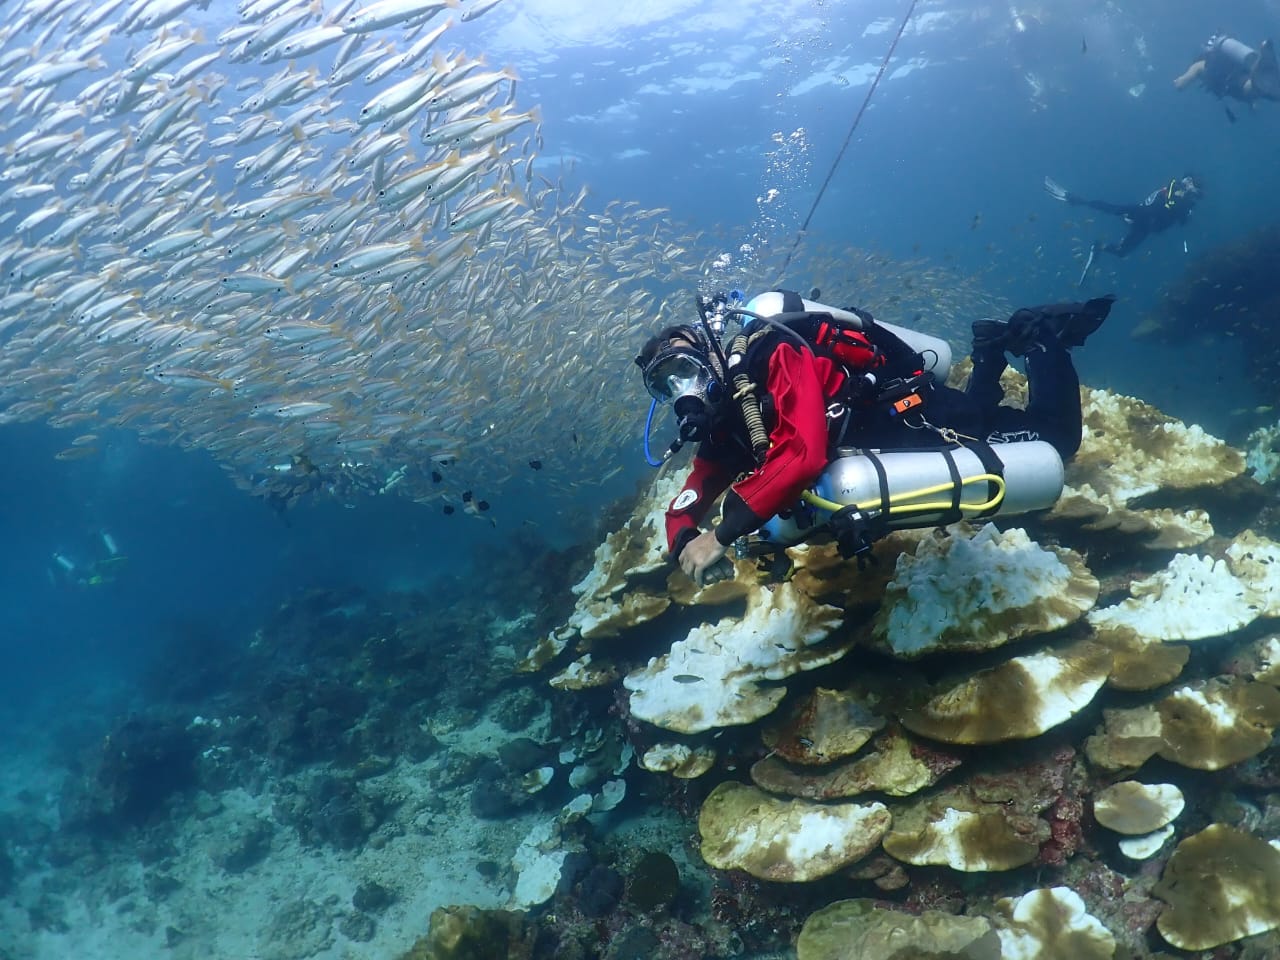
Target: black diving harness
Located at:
point(856, 527)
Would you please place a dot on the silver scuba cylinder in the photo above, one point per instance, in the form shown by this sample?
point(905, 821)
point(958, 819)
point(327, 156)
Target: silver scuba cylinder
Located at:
point(1241, 54)
point(1032, 470)
point(935, 351)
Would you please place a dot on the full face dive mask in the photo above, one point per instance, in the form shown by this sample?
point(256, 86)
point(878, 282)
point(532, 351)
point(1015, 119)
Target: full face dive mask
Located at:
point(684, 378)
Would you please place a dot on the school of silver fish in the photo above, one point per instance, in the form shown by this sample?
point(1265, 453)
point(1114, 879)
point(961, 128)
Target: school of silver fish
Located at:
point(326, 233)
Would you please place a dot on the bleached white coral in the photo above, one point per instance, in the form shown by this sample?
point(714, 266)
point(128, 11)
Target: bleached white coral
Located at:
point(1260, 453)
point(678, 759)
point(713, 677)
point(1192, 598)
point(537, 862)
point(1130, 449)
point(1051, 924)
point(976, 591)
point(1197, 597)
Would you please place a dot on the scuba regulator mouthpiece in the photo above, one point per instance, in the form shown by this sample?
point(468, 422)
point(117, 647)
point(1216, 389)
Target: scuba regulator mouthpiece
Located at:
point(695, 416)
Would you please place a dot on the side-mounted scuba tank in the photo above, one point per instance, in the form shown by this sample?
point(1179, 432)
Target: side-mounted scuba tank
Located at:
point(864, 494)
point(935, 351)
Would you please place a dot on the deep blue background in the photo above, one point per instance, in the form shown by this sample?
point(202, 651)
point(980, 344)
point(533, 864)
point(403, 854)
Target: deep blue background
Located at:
point(947, 166)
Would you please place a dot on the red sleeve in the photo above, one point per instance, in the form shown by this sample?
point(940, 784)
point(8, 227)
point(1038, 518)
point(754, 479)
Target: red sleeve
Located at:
point(800, 384)
point(706, 481)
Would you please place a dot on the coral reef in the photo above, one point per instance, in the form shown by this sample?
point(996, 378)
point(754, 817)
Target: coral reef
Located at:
point(131, 775)
point(1051, 924)
point(744, 828)
point(1028, 633)
point(469, 933)
point(1220, 885)
point(825, 726)
point(1022, 697)
point(895, 766)
point(718, 675)
point(1209, 725)
point(863, 930)
point(1131, 807)
point(997, 740)
point(974, 591)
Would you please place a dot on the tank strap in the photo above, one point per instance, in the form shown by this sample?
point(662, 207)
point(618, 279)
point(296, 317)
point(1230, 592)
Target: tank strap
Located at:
point(957, 487)
point(991, 463)
point(882, 480)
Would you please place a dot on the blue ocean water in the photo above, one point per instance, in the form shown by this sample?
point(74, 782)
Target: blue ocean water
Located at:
point(677, 109)
point(676, 104)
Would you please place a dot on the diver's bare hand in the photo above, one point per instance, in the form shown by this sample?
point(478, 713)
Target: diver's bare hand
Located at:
point(703, 559)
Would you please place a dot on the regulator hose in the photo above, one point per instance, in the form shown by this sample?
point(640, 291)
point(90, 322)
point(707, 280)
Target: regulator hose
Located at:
point(744, 392)
point(936, 506)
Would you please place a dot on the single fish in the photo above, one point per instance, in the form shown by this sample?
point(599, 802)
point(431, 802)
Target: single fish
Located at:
point(386, 13)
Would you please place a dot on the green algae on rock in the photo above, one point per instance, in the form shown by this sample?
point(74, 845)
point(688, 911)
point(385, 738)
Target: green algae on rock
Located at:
point(743, 828)
point(1220, 885)
point(865, 930)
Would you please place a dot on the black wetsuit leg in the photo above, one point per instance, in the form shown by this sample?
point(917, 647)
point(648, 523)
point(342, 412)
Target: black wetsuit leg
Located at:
point(1115, 209)
point(989, 362)
point(1053, 404)
point(1137, 233)
point(1133, 214)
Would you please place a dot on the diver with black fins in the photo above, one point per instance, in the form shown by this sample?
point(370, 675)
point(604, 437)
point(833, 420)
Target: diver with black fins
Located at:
point(1228, 68)
point(1166, 206)
point(814, 420)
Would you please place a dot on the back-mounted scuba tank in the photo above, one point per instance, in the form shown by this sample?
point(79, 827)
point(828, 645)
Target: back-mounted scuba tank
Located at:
point(935, 351)
point(873, 492)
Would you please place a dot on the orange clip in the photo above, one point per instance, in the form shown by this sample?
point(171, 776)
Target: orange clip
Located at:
point(906, 403)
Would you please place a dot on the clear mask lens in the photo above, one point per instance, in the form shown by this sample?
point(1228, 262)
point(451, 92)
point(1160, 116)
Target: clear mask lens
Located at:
point(675, 375)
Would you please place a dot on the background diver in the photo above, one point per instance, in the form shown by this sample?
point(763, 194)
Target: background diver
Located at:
point(1163, 208)
point(1229, 68)
point(871, 383)
point(102, 569)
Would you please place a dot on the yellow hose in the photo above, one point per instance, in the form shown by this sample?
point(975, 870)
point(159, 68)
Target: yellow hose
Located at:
point(929, 507)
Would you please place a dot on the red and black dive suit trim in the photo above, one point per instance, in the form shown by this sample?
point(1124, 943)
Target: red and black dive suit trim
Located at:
point(800, 385)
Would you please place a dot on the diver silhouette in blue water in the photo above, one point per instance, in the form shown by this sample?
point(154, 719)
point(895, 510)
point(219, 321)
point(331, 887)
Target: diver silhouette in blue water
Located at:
point(1228, 68)
point(1167, 206)
point(105, 566)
